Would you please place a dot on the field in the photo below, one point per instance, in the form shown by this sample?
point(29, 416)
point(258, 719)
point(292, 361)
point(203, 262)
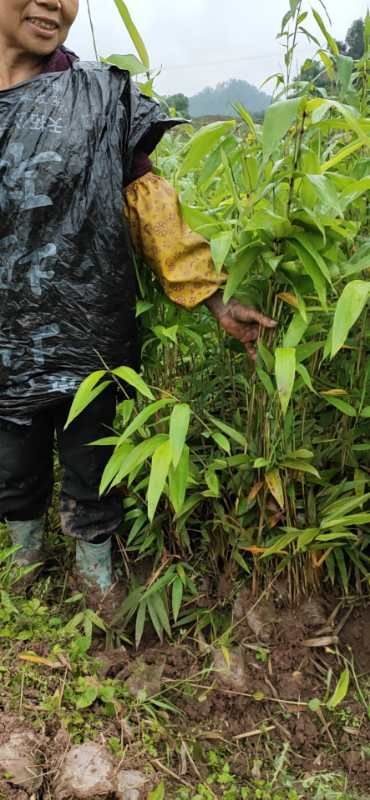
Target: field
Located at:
point(239, 665)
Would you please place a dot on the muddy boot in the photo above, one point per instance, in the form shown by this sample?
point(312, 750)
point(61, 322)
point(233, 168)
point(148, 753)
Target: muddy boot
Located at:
point(94, 577)
point(28, 536)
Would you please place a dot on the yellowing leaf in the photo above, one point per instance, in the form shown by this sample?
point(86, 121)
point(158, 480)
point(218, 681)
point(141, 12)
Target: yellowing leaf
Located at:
point(289, 298)
point(285, 367)
point(335, 393)
point(341, 690)
point(274, 483)
point(328, 64)
point(43, 662)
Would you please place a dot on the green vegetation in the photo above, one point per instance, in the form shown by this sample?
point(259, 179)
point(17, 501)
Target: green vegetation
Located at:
point(254, 469)
point(180, 103)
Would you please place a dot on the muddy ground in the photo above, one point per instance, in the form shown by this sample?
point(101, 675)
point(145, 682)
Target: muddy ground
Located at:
point(251, 698)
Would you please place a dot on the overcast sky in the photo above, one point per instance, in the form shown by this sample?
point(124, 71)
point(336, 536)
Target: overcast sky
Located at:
point(198, 43)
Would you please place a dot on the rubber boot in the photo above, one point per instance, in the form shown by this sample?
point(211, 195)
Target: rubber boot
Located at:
point(94, 563)
point(94, 577)
point(28, 536)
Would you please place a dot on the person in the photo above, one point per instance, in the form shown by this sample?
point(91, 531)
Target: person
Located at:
point(76, 192)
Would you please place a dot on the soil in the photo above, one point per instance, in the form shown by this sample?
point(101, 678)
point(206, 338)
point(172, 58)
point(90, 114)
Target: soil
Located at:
point(356, 636)
point(257, 692)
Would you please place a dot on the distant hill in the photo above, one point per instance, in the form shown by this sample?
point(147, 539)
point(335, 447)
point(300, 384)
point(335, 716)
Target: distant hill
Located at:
point(219, 101)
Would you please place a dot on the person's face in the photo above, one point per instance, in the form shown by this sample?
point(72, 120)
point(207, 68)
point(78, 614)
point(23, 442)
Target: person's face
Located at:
point(37, 27)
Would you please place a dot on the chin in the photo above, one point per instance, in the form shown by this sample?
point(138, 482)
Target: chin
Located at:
point(41, 49)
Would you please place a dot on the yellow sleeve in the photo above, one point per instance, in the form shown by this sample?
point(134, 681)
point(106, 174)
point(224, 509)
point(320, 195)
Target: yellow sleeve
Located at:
point(180, 258)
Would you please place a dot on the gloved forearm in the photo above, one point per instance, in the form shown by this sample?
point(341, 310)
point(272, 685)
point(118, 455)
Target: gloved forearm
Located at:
point(180, 258)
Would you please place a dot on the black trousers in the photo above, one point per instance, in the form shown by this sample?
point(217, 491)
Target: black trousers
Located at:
point(26, 468)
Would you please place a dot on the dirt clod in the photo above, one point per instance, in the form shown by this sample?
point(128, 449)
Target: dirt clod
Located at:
point(130, 785)
point(251, 615)
point(87, 773)
point(356, 636)
point(20, 763)
point(230, 669)
point(145, 678)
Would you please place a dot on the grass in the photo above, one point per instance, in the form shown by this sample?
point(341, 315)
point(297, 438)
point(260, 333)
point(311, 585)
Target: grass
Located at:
point(51, 653)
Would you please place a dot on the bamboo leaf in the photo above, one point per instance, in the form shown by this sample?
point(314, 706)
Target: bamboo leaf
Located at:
point(179, 426)
point(280, 544)
point(143, 417)
point(140, 623)
point(158, 627)
point(341, 405)
point(278, 119)
point(300, 466)
point(229, 431)
point(266, 381)
point(177, 595)
point(202, 143)
point(129, 63)
point(326, 191)
point(133, 33)
point(328, 64)
point(343, 506)
point(332, 45)
point(86, 393)
point(131, 377)
point(306, 377)
point(312, 271)
point(222, 441)
point(246, 117)
point(274, 483)
point(157, 794)
point(349, 116)
point(178, 479)
point(241, 265)
point(304, 240)
point(285, 367)
point(363, 518)
point(138, 456)
point(349, 307)
point(161, 461)
point(114, 465)
point(161, 612)
point(341, 155)
point(296, 331)
point(344, 68)
point(220, 247)
point(341, 690)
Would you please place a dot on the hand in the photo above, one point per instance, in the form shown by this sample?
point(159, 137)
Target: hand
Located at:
point(241, 322)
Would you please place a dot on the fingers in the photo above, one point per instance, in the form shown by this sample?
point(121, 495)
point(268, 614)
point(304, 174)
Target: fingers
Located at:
point(250, 333)
point(246, 314)
point(251, 351)
point(245, 332)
